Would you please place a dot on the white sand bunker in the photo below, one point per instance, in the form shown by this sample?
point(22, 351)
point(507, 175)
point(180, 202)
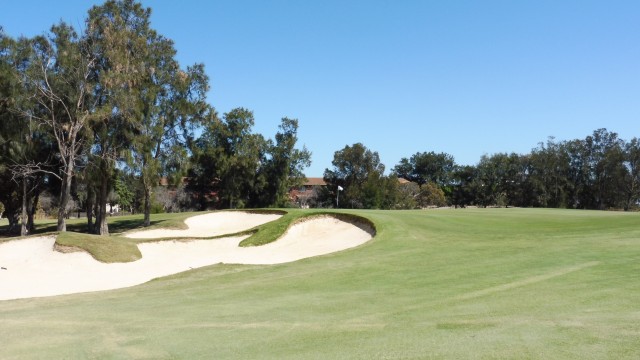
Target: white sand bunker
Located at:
point(34, 269)
point(209, 225)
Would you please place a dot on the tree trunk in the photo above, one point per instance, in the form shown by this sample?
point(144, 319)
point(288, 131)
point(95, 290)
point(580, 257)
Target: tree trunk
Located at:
point(96, 211)
point(147, 205)
point(14, 220)
point(89, 205)
point(23, 218)
point(32, 211)
point(102, 226)
point(65, 191)
point(630, 196)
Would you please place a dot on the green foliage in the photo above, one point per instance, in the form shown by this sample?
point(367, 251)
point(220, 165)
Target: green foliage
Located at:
point(498, 179)
point(359, 172)
point(463, 191)
point(431, 195)
point(172, 104)
point(125, 195)
point(425, 167)
point(157, 207)
point(25, 146)
point(598, 172)
point(285, 166)
point(631, 182)
point(227, 160)
point(407, 194)
point(549, 178)
point(122, 33)
point(593, 173)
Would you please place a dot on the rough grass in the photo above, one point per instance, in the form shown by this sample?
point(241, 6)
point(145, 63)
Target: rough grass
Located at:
point(108, 249)
point(470, 283)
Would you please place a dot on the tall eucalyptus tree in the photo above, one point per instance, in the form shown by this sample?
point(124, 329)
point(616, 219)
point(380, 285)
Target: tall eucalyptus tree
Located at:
point(120, 32)
point(172, 105)
point(285, 167)
point(59, 78)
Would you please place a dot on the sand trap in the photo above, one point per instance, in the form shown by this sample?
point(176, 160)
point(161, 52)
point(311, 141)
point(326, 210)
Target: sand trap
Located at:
point(34, 269)
point(208, 225)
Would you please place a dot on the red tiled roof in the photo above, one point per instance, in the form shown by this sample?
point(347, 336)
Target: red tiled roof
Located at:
point(315, 181)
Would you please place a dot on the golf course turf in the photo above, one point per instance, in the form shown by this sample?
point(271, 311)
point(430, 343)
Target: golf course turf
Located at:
point(465, 283)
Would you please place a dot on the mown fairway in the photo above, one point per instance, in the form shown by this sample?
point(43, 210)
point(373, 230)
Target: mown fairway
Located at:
point(469, 283)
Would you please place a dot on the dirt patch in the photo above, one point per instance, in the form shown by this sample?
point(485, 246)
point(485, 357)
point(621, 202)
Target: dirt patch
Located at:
point(66, 249)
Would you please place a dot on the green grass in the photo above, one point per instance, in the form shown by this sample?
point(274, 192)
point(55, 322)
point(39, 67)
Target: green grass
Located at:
point(108, 249)
point(469, 283)
point(265, 234)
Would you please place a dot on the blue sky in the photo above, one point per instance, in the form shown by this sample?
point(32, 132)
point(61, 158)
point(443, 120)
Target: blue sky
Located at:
point(463, 77)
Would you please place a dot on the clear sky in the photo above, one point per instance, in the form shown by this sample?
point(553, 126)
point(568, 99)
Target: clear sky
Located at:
point(463, 77)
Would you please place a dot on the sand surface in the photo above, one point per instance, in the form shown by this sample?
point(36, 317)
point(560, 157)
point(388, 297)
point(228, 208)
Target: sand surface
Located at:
point(208, 225)
point(34, 269)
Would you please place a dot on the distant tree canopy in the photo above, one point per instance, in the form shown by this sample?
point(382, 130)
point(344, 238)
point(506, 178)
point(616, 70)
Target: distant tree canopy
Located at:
point(233, 167)
point(597, 172)
point(600, 171)
point(358, 171)
point(285, 165)
point(426, 167)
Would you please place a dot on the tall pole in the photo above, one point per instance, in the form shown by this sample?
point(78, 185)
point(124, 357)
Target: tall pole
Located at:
point(338, 197)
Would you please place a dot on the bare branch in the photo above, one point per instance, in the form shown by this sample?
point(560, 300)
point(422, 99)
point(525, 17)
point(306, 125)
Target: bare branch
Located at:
point(29, 170)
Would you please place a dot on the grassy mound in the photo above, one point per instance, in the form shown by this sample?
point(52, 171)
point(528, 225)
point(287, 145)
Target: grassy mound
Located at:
point(266, 234)
point(108, 249)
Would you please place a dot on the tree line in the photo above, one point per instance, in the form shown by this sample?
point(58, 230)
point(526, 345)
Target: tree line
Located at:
point(600, 172)
point(109, 110)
